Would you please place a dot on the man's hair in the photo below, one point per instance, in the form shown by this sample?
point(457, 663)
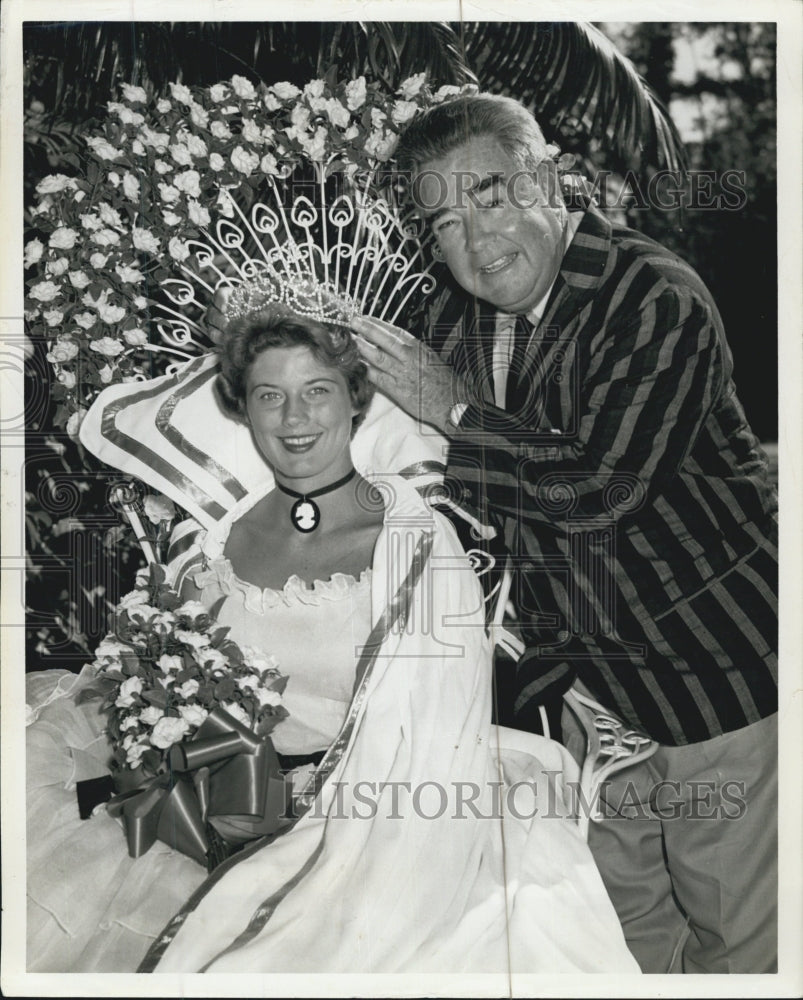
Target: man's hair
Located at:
point(444, 127)
point(274, 326)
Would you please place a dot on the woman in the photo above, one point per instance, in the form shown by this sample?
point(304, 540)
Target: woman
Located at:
point(409, 853)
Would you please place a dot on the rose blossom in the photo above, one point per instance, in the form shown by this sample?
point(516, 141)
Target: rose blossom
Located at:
point(144, 611)
point(243, 88)
point(168, 730)
point(63, 238)
point(150, 715)
point(111, 647)
point(86, 320)
point(411, 86)
point(110, 216)
point(132, 598)
point(171, 218)
point(45, 291)
point(107, 346)
point(169, 663)
point(198, 214)
point(105, 374)
point(211, 659)
point(168, 193)
point(194, 715)
point(53, 317)
point(256, 658)
point(144, 239)
point(181, 155)
point(90, 221)
point(135, 751)
point(103, 149)
point(98, 260)
point(75, 421)
point(338, 115)
point(128, 274)
point(57, 267)
point(163, 105)
point(403, 111)
point(106, 238)
point(219, 92)
point(247, 163)
point(188, 181)
point(188, 688)
point(134, 94)
point(78, 279)
point(161, 167)
point(130, 687)
point(67, 379)
point(270, 697)
point(128, 722)
point(193, 639)
point(252, 132)
point(269, 165)
point(181, 93)
point(198, 115)
point(285, 91)
point(178, 249)
point(236, 711)
point(55, 183)
point(271, 102)
point(356, 93)
point(136, 338)
point(195, 144)
point(220, 130)
point(63, 350)
point(216, 161)
point(33, 252)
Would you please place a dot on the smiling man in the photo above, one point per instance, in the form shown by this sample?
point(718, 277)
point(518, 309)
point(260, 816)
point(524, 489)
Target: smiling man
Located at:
point(583, 377)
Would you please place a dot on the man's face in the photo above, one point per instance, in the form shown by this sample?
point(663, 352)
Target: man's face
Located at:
point(498, 235)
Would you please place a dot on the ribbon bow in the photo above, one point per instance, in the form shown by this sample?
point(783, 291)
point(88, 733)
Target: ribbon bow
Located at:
point(226, 777)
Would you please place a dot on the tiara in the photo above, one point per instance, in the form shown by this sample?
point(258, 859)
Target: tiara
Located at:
point(331, 260)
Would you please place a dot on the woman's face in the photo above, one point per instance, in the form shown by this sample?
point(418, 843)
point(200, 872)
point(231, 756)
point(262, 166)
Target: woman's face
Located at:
point(300, 411)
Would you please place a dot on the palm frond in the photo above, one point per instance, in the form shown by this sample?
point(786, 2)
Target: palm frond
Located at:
point(570, 72)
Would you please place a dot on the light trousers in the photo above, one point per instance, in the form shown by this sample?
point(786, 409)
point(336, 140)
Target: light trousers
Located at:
point(688, 852)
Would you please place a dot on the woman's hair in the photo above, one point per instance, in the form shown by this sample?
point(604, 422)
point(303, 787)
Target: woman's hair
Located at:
point(275, 326)
point(444, 127)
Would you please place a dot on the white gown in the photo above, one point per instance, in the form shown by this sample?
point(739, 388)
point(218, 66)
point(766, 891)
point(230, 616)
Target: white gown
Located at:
point(388, 869)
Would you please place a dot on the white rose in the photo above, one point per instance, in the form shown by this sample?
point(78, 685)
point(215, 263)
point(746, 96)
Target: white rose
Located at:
point(169, 193)
point(151, 715)
point(316, 147)
point(163, 623)
point(98, 260)
point(106, 238)
point(136, 338)
point(129, 117)
point(79, 196)
point(219, 92)
point(188, 181)
point(57, 267)
point(170, 663)
point(247, 683)
point(199, 116)
point(198, 214)
point(67, 379)
point(356, 92)
point(103, 149)
point(220, 130)
point(86, 320)
point(129, 722)
point(53, 317)
point(181, 155)
point(105, 374)
point(78, 279)
point(44, 206)
point(163, 105)
point(338, 115)
point(134, 94)
point(236, 711)
point(403, 111)
point(158, 508)
point(194, 639)
point(271, 102)
point(44, 291)
point(144, 611)
point(128, 274)
point(55, 183)
point(90, 221)
point(448, 90)
point(159, 140)
point(300, 116)
point(411, 86)
point(181, 93)
point(195, 144)
point(171, 218)
point(224, 205)
point(132, 598)
point(243, 88)
point(111, 647)
point(269, 165)
point(140, 302)
point(268, 697)
point(63, 350)
point(107, 346)
point(134, 754)
point(211, 659)
point(216, 161)
point(138, 148)
point(168, 730)
point(285, 91)
point(256, 658)
point(245, 162)
point(161, 167)
point(314, 88)
point(318, 104)
point(110, 216)
point(33, 252)
point(252, 132)
point(144, 239)
point(188, 688)
point(178, 249)
point(193, 715)
point(63, 238)
point(130, 687)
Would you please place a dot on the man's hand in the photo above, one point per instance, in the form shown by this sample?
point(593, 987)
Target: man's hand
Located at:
point(408, 372)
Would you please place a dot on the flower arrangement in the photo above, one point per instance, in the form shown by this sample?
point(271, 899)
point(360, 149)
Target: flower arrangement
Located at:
point(166, 666)
point(156, 170)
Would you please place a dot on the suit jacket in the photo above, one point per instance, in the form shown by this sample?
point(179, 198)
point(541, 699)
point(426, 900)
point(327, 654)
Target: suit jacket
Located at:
point(630, 492)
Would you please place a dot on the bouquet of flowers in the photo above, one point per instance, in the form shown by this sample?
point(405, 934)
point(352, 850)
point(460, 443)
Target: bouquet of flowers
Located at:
point(189, 718)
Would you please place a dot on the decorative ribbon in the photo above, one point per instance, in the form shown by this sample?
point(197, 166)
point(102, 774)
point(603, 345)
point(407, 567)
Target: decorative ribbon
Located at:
point(226, 777)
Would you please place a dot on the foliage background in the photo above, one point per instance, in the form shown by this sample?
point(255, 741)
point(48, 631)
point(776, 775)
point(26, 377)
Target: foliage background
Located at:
point(716, 79)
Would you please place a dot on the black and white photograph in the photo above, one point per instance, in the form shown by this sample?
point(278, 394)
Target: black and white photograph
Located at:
point(401, 460)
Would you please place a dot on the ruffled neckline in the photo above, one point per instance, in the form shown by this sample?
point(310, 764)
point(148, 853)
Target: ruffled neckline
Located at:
point(294, 591)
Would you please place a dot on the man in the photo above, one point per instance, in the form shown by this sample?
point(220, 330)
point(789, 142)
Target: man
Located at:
point(603, 437)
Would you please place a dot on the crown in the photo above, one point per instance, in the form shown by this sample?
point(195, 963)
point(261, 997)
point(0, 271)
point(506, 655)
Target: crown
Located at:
point(330, 260)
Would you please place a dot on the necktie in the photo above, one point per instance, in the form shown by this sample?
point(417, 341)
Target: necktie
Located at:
point(516, 392)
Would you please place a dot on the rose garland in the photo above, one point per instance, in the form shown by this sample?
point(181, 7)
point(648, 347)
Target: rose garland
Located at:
point(154, 169)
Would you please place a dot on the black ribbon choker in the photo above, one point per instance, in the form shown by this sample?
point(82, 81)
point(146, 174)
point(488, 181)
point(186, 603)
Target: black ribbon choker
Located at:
point(305, 514)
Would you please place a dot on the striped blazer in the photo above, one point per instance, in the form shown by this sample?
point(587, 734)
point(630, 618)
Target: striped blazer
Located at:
point(629, 490)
